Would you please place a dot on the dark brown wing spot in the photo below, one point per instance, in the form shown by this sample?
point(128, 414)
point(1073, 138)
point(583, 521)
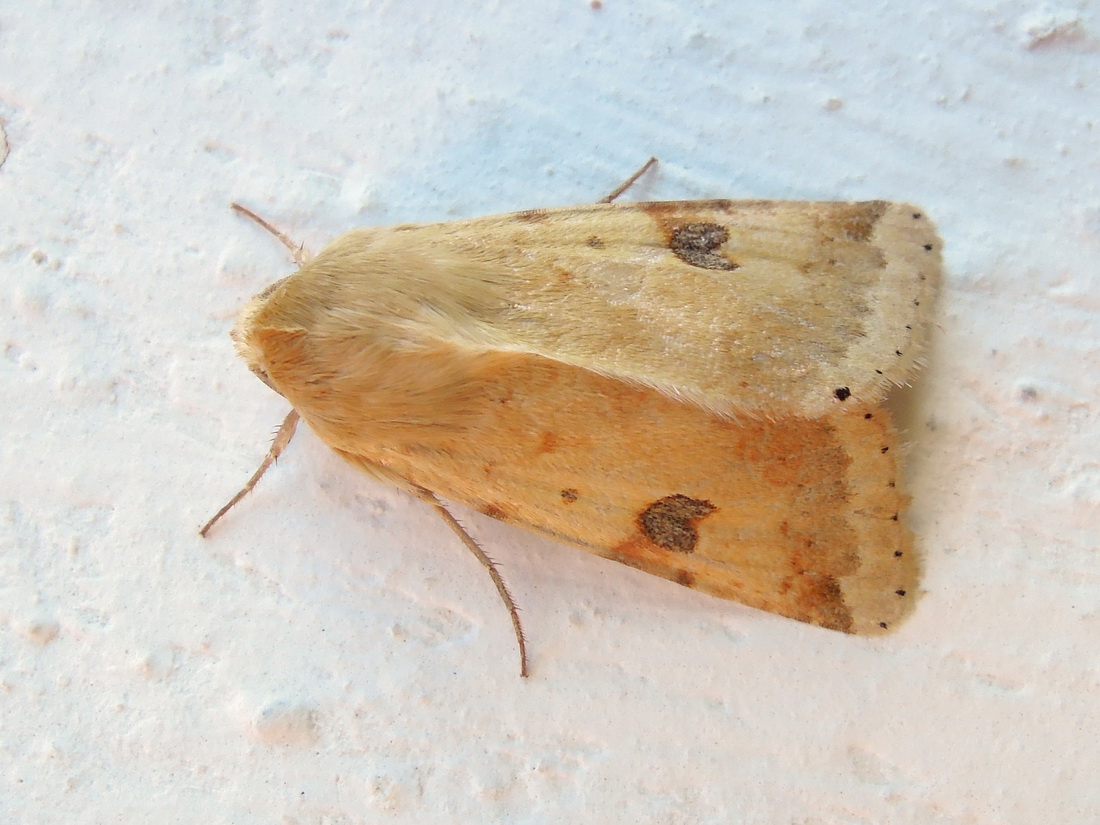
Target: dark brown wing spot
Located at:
point(548, 442)
point(494, 511)
point(685, 577)
point(563, 276)
point(694, 243)
point(596, 242)
point(569, 496)
point(670, 522)
point(858, 220)
point(823, 596)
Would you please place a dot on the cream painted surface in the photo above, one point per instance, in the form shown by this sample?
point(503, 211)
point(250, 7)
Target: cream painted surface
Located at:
point(330, 653)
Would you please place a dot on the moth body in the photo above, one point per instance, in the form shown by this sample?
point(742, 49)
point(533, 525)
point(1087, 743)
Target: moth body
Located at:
point(691, 388)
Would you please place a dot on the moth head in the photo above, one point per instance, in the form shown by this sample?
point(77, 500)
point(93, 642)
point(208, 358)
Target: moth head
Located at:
point(244, 336)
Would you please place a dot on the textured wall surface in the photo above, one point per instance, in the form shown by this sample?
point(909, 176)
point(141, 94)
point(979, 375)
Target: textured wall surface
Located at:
point(331, 654)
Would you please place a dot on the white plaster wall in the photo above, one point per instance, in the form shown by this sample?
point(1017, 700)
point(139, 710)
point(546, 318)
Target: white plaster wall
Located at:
point(331, 654)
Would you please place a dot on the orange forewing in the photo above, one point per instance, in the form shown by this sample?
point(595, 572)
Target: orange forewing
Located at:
point(795, 516)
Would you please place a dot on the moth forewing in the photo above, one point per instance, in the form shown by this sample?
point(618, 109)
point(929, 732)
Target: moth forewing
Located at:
point(764, 308)
point(797, 516)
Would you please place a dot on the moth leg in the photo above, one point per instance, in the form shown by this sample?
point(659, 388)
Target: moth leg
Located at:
point(626, 184)
point(282, 439)
point(296, 250)
point(429, 497)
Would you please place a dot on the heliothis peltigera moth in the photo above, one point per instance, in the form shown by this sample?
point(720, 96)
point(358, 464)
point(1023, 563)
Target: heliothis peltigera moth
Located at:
point(692, 388)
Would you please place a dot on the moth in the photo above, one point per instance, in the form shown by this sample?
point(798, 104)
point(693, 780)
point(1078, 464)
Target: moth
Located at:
point(692, 388)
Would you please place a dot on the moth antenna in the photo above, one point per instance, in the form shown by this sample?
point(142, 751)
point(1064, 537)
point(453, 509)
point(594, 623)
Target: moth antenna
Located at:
point(297, 251)
point(429, 497)
point(282, 439)
point(626, 184)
